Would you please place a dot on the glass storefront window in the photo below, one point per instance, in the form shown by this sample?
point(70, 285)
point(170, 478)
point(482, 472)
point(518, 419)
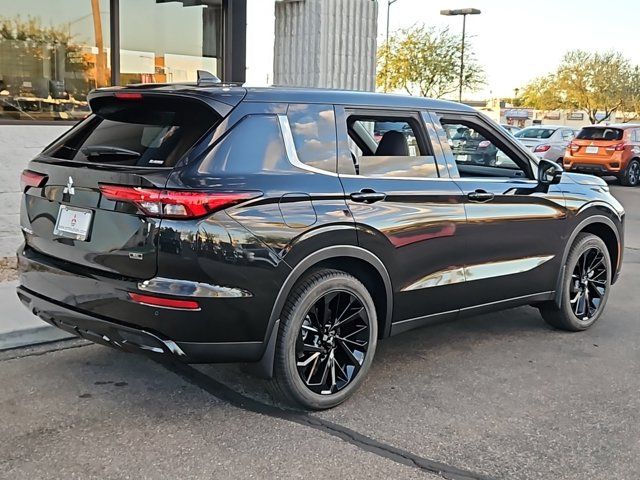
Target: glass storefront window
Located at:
point(51, 55)
point(168, 41)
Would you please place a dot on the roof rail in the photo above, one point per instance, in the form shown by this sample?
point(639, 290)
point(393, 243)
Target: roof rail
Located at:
point(207, 78)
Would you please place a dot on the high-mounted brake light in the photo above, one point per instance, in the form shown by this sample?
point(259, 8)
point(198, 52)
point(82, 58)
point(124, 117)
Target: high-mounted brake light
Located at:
point(128, 96)
point(32, 179)
point(164, 302)
point(175, 203)
point(542, 148)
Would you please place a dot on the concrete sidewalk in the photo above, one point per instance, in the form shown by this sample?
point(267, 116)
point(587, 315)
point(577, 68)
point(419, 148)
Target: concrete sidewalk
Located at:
point(19, 327)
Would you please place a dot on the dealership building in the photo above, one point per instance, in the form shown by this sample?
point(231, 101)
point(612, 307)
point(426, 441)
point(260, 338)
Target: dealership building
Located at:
point(52, 54)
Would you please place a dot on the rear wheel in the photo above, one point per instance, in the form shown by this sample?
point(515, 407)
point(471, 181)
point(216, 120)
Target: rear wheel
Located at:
point(327, 340)
point(585, 287)
point(631, 176)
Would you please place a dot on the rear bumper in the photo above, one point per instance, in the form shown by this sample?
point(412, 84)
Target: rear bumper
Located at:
point(98, 308)
point(138, 340)
point(594, 166)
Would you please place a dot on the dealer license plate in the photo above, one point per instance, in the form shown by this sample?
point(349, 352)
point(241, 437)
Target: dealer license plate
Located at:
point(73, 222)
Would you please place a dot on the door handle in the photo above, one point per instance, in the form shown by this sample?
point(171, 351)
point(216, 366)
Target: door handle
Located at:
point(367, 195)
point(480, 196)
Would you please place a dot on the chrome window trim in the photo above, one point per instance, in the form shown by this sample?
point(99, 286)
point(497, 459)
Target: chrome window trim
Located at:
point(290, 148)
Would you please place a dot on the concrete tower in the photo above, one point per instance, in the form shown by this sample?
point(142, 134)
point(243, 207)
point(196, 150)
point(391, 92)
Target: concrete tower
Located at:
point(326, 43)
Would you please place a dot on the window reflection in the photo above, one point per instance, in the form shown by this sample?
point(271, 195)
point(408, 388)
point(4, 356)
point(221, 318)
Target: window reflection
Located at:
point(255, 145)
point(169, 41)
point(314, 134)
point(51, 57)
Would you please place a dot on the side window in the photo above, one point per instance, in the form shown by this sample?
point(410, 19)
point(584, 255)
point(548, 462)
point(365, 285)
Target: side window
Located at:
point(476, 152)
point(567, 135)
point(254, 145)
point(314, 134)
point(384, 146)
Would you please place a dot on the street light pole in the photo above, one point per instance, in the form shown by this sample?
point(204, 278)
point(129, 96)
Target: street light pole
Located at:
point(464, 12)
point(386, 56)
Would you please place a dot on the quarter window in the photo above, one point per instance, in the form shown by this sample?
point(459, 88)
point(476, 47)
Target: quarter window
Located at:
point(389, 147)
point(314, 134)
point(254, 145)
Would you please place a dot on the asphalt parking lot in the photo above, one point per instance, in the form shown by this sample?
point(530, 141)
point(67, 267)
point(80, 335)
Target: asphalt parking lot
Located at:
point(498, 396)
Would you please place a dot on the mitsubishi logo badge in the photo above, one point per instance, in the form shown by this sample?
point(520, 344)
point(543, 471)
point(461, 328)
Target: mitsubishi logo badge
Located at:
point(69, 188)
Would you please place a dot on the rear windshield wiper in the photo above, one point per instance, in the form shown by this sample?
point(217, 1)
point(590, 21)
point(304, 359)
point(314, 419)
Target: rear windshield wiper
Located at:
point(100, 150)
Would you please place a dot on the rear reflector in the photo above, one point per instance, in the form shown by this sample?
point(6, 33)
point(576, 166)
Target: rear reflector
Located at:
point(175, 203)
point(164, 302)
point(128, 96)
point(32, 179)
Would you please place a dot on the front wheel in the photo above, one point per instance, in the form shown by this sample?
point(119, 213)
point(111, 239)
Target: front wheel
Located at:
point(631, 176)
point(585, 286)
point(327, 340)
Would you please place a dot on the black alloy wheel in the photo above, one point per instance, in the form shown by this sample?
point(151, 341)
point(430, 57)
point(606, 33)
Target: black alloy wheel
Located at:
point(588, 284)
point(327, 340)
point(585, 286)
point(333, 342)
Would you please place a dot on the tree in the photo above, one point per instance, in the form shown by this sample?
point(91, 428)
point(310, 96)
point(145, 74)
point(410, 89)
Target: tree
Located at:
point(426, 62)
point(591, 82)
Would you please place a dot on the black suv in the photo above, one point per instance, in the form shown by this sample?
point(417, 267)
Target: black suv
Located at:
point(270, 225)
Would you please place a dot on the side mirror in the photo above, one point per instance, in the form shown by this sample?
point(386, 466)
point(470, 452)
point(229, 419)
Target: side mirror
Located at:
point(549, 173)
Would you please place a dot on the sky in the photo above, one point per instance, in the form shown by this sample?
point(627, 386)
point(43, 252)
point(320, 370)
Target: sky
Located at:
point(514, 40)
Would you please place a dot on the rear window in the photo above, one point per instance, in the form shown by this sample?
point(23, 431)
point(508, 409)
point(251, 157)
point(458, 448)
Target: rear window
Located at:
point(535, 133)
point(600, 133)
point(152, 132)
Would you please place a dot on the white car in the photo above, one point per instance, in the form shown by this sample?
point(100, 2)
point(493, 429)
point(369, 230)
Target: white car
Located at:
point(545, 141)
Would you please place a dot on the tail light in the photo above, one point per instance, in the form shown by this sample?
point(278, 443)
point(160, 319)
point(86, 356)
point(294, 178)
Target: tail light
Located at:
point(542, 148)
point(618, 147)
point(574, 147)
point(164, 302)
point(484, 144)
point(175, 203)
point(32, 179)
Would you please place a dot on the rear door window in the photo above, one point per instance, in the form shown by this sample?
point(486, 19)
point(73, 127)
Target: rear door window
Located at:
point(151, 132)
point(389, 147)
point(600, 133)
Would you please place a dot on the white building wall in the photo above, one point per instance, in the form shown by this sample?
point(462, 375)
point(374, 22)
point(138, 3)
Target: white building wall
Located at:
point(20, 143)
point(326, 43)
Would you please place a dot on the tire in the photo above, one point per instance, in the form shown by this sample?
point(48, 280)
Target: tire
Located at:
point(579, 311)
point(347, 298)
point(631, 176)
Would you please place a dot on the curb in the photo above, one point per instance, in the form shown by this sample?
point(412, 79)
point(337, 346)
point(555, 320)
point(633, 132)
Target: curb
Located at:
point(32, 336)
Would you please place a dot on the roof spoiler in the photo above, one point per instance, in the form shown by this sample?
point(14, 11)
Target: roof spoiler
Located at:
point(207, 78)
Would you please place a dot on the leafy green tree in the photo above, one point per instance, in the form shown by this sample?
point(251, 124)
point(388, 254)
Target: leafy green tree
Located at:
point(425, 61)
point(591, 82)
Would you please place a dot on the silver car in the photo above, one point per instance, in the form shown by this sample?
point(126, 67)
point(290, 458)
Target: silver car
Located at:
point(546, 141)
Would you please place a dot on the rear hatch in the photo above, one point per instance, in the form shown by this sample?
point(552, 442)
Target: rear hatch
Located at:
point(597, 143)
point(132, 139)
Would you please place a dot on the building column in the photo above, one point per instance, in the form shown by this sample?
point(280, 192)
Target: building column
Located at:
point(326, 43)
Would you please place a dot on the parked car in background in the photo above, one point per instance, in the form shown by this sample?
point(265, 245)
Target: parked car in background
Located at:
point(217, 223)
point(607, 150)
point(546, 141)
point(512, 129)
